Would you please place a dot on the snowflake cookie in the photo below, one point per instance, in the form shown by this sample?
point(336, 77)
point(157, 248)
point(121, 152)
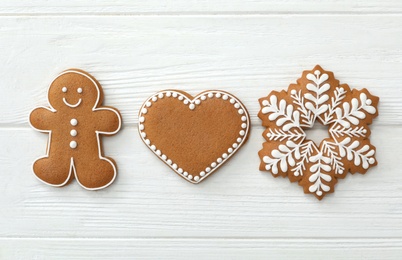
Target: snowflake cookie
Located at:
point(317, 96)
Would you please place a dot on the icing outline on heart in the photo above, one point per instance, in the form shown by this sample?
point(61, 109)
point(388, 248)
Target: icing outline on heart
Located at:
point(192, 104)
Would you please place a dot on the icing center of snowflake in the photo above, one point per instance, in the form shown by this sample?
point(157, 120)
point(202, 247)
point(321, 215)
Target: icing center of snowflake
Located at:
point(317, 133)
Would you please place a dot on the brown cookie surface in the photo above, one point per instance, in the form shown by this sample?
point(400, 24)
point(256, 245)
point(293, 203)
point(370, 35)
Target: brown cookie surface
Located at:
point(347, 113)
point(194, 136)
point(75, 120)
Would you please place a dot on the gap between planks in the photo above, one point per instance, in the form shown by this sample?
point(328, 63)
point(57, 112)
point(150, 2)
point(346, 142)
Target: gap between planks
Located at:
point(203, 14)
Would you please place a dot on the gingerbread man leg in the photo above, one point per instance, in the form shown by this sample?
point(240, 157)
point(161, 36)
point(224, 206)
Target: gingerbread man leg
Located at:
point(54, 170)
point(95, 173)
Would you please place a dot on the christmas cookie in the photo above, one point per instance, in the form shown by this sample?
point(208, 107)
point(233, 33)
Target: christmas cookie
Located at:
point(194, 136)
point(75, 122)
point(317, 96)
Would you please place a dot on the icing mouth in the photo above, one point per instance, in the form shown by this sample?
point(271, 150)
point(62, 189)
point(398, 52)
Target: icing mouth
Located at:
point(70, 105)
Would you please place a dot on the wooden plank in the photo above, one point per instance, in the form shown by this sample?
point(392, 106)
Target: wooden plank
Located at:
point(134, 57)
point(149, 200)
point(28, 248)
point(193, 7)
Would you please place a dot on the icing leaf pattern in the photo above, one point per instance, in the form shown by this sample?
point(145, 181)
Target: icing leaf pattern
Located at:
point(347, 114)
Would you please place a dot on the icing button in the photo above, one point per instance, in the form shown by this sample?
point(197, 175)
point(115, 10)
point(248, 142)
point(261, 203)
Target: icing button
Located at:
point(73, 132)
point(73, 144)
point(73, 122)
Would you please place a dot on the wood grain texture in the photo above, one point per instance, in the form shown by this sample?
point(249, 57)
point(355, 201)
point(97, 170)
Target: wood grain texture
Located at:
point(201, 248)
point(248, 48)
point(194, 7)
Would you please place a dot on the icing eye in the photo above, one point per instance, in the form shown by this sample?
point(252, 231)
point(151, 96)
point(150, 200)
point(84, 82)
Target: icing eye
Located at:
point(79, 90)
point(64, 89)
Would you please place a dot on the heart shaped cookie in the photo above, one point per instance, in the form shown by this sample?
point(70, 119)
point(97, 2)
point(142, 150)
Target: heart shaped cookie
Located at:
point(194, 136)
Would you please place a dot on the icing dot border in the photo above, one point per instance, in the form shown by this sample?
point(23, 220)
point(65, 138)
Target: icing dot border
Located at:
point(192, 105)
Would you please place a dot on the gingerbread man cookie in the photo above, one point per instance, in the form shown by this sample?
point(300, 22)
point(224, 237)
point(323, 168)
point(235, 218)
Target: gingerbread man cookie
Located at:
point(347, 113)
point(194, 136)
point(75, 120)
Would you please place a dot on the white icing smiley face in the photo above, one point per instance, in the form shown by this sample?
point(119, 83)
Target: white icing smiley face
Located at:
point(72, 90)
point(64, 90)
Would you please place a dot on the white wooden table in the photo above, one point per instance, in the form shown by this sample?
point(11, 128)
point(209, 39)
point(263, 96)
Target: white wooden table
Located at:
point(249, 48)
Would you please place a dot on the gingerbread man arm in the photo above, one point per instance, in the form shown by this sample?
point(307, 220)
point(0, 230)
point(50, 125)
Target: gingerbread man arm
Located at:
point(41, 118)
point(108, 120)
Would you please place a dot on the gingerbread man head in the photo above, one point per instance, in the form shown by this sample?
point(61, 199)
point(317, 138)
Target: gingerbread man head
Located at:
point(80, 91)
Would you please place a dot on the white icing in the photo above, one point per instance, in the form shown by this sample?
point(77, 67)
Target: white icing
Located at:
point(79, 90)
point(64, 89)
point(192, 104)
point(73, 144)
point(73, 122)
point(72, 105)
point(73, 132)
